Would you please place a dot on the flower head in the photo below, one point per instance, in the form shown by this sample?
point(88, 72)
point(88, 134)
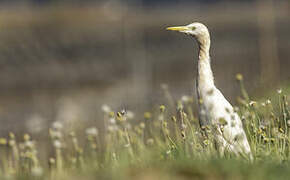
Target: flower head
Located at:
point(106, 108)
point(57, 125)
point(92, 131)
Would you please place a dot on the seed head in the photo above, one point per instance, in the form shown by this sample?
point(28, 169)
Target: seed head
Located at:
point(72, 134)
point(179, 106)
point(113, 128)
point(162, 108)
point(147, 115)
point(111, 114)
point(92, 131)
point(150, 141)
point(3, 141)
point(200, 101)
point(288, 122)
point(57, 125)
point(106, 108)
point(185, 99)
point(57, 144)
point(173, 118)
point(55, 134)
point(51, 161)
point(29, 144)
point(26, 137)
point(142, 125)
point(11, 135)
point(164, 124)
point(112, 120)
point(239, 77)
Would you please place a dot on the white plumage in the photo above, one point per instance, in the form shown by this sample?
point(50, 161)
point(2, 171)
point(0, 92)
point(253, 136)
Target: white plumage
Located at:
point(214, 109)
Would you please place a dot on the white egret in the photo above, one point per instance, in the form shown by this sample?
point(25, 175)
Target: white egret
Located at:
point(214, 109)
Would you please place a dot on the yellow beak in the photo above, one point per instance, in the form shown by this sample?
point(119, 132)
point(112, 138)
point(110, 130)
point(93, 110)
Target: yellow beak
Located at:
point(178, 28)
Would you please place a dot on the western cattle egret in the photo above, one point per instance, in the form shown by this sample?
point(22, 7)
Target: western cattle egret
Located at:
point(214, 109)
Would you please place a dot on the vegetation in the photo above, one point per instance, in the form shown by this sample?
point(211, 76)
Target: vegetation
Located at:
point(167, 143)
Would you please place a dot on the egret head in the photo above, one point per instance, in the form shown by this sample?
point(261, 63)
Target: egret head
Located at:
point(196, 30)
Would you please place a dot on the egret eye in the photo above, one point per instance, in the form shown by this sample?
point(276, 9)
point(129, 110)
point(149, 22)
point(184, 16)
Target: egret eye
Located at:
point(193, 28)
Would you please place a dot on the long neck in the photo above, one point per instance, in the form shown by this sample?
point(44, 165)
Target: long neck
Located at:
point(205, 80)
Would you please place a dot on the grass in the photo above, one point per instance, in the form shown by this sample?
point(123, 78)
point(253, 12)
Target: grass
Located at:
point(166, 143)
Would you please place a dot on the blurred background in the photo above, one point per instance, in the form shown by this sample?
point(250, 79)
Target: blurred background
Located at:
point(62, 60)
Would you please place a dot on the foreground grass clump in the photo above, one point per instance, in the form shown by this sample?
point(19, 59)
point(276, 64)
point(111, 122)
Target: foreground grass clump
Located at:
point(167, 143)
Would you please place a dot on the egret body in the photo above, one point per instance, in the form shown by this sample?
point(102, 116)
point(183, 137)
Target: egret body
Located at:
point(214, 109)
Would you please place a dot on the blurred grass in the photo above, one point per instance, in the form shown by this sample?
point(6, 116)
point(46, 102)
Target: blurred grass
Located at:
point(155, 146)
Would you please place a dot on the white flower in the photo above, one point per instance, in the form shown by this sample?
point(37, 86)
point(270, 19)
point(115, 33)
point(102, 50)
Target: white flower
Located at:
point(279, 91)
point(56, 134)
point(112, 121)
point(268, 101)
point(57, 144)
point(57, 125)
point(150, 141)
point(130, 115)
point(288, 122)
point(112, 128)
point(184, 99)
point(202, 112)
point(93, 131)
point(106, 108)
point(114, 156)
point(161, 117)
point(142, 125)
point(29, 144)
point(51, 160)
